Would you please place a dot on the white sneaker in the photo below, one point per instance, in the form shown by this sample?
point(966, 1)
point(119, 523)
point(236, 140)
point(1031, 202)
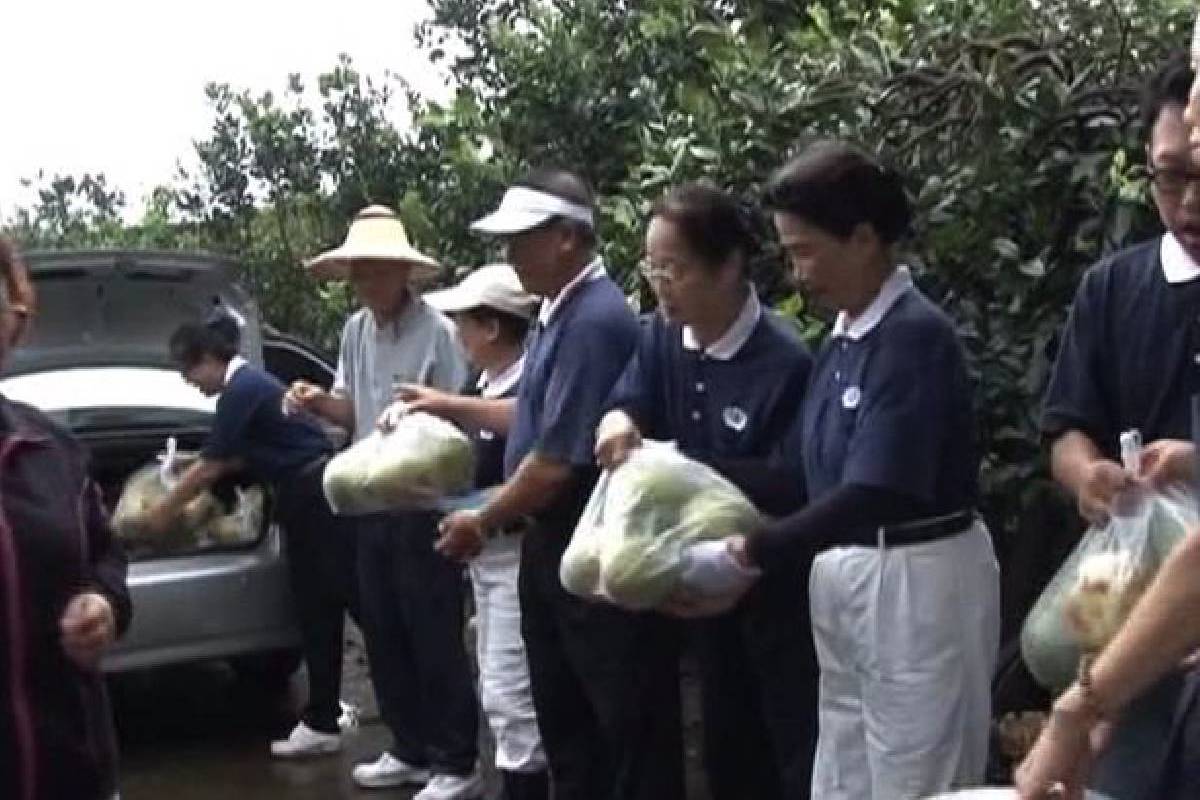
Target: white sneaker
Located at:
point(348, 720)
point(387, 771)
point(452, 787)
point(303, 741)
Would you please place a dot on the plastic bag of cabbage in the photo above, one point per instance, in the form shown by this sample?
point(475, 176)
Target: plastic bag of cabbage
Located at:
point(420, 460)
point(1092, 593)
point(204, 522)
point(628, 545)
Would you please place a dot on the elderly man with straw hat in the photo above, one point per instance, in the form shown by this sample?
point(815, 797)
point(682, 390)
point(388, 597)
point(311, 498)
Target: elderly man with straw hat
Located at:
point(411, 597)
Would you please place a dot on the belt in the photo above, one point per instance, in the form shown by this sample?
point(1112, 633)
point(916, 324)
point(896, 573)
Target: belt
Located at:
point(919, 531)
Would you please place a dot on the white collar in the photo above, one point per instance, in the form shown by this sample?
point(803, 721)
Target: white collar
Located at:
point(499, 385)
point(591, 272)
point(1177, 265)
point(896, 285)
point(235, 363)
point(735, 336)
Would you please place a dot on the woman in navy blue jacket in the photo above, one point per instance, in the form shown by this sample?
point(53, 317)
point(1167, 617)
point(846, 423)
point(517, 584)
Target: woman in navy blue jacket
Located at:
point(723, 376)
point(904, 589)
point(252, 432)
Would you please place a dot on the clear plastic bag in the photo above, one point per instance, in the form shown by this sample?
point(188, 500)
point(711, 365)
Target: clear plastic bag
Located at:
point(419, 461)
point(1096, 587)
point(243, 524)
point(147, 486)
point(629, 544)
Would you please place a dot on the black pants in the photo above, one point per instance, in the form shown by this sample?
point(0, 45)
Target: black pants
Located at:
point(1179, 774)
point(526, 785)
point(758, 672)
point(322, 562)
point(412, 614)
point(605, 686)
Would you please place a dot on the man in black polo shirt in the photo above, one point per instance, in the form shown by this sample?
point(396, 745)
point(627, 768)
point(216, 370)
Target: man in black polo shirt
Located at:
point(605, 685)
point(1128, 359)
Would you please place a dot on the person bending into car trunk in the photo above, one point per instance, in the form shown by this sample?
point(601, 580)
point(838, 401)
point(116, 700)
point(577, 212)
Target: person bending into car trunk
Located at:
point(63, 596)
point(251, 433)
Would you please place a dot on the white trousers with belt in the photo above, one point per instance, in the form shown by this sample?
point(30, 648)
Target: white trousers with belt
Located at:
point(906, 639)
point(504, 688)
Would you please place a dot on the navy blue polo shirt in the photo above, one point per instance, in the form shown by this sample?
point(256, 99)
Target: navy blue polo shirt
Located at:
point(741, 406)
point(250, 424)
point(489, 445)
point(891, 408)
point(1128, 354)
point(571, 364)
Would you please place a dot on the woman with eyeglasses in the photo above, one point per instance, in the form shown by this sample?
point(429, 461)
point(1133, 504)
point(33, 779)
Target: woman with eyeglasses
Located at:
point(723, 376)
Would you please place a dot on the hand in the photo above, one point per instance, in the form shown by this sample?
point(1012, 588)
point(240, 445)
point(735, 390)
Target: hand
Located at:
point(616, 438)
point(1168, 461)
point(303, 396)
point(390, 417)
point(425, 398)
point(1102, 480)
point(461, 535)
point(715, 576)
point(87, 628)
point(1059, 763)
point(158, 520)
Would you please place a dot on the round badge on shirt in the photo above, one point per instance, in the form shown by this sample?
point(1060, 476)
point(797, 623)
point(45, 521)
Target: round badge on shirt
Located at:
point(851, 397)
point(734, 418)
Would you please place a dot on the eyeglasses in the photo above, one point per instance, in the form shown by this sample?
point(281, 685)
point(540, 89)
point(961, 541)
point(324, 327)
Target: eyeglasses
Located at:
point(1171, 180)
point(665, 276)
point(653, 274)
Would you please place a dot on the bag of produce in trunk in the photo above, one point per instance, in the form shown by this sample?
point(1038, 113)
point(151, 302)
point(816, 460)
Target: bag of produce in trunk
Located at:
point(629, 544)
point(422, 459)
point(243, 524)
point(1088, 599)
point(147, 486)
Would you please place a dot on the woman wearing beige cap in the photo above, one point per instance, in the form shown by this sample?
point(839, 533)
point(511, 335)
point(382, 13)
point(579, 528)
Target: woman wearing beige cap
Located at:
point(493, 311)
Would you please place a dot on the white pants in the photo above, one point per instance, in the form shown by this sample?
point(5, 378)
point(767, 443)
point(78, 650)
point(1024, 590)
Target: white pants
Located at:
point(906, 639)
point(504, 689)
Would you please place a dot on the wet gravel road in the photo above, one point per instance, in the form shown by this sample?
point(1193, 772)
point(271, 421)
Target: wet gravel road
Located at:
point(198, 733)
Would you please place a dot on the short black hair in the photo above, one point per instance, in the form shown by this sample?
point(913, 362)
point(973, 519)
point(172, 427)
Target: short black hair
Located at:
point(1169, 85)
point(837, 186)
point(513, 328)
point(218, 336)
point(570, 186)
point(712, 222)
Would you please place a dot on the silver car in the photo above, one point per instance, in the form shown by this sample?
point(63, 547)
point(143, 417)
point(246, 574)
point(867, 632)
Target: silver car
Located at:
point(96, 360)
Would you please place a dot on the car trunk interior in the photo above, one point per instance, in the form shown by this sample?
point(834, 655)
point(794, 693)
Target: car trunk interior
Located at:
point(117, 455)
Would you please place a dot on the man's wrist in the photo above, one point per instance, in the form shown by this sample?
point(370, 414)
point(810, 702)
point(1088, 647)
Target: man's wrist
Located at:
point(491, 518)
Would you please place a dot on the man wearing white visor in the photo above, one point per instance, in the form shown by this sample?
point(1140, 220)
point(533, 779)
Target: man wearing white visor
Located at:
point(493, 312)
point(604, 681)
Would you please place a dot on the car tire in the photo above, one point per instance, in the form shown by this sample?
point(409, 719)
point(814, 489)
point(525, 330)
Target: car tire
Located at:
point(269, 670)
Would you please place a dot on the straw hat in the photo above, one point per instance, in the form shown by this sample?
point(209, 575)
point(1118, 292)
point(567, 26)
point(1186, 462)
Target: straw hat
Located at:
point(376, 234)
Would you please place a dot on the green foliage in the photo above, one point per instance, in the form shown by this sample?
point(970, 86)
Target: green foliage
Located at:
point(1014, 124)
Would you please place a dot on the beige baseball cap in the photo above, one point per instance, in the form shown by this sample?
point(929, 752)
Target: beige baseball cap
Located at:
point(493, 286)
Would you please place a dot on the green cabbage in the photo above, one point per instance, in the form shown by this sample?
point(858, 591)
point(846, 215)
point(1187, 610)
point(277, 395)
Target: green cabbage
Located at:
point(628, 545)
point(1093, 591)
point(422, 459)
